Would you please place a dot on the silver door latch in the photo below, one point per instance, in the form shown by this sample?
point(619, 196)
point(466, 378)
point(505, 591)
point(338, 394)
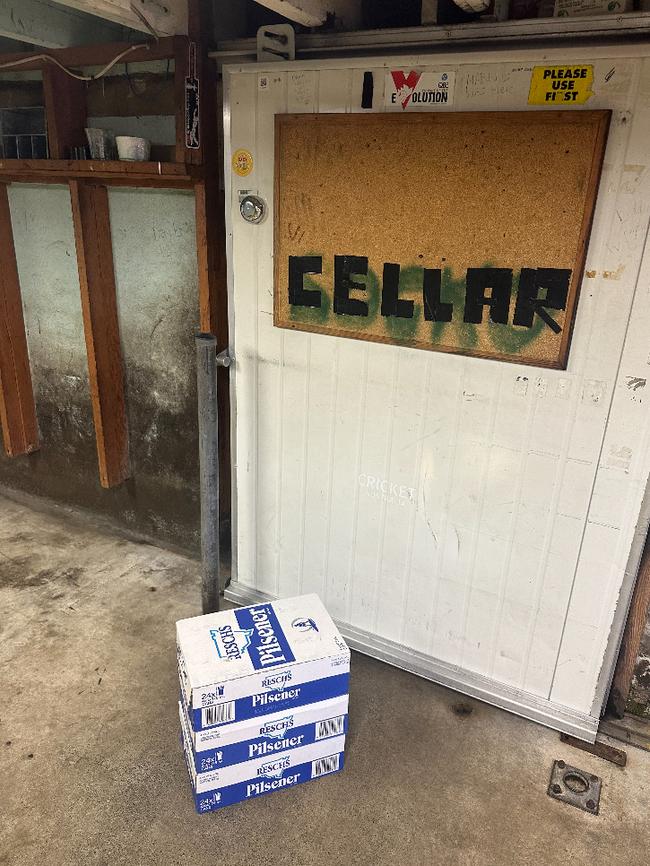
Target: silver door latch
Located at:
point(252, 207)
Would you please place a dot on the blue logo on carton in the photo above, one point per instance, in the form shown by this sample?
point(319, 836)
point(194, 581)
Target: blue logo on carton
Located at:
point(304, 623)
point(277, 681)
point(276, 730)
point(231, 643)
point(274, 769)
point(268, 644)
point(207, 803)
point(211, 762)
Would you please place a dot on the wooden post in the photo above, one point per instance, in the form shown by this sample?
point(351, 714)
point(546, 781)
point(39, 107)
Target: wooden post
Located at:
point(99, 306)
point(210, 221)
point(213, 311)
point(65, 111)
point(636, 620)
point(17, 409)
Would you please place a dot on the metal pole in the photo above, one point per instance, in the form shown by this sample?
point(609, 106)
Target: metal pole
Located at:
point(206, 380)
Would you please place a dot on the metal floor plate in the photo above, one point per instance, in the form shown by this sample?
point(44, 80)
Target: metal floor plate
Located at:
point(575, 787)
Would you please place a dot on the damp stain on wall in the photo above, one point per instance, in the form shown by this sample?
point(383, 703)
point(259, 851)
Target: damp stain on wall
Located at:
point(156, 282)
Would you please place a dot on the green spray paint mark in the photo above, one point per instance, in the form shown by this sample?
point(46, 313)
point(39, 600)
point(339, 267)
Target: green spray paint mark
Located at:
point(371, 296)
point(410, 283)
point(324, 314)
point(511, 339)
point(312, 315)
point(507, 339)
point(462, 333)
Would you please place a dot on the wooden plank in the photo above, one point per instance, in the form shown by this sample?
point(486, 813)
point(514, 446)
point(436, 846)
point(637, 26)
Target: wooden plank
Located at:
point(40, 23)
point(149, 174)
point(629, 651)
point(165, 19)
point(17, 409)
point(210, 231)
point(96, 168)
point(207, 317)
point(213, 312)
point(632, 730)
point(313, 13)
point(98, 54)
point(101, 328)
point(65, 111)
point(599, 749)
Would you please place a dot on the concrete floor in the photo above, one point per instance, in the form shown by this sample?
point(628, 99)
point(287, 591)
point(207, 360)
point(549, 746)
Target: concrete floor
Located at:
point(91, 770)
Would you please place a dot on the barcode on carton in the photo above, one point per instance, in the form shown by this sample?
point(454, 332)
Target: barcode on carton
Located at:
point(330, 727)
point(219, 714)
point(323, 766)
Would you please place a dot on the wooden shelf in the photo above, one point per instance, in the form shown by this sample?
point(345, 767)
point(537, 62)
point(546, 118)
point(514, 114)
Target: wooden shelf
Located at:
point(116, 173)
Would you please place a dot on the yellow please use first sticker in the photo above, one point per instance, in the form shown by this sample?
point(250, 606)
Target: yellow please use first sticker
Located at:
point(561, 85)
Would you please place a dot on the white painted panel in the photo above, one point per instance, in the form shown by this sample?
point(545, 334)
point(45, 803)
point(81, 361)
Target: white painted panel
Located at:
point(271, 379)
point(475, 517)
point(244, 324)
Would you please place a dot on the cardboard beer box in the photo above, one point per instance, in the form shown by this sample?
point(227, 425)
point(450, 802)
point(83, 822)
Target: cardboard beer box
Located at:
point(225, 745)
point(250, 779)
point(265, 658)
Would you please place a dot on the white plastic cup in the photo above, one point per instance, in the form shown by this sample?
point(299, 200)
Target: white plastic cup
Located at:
point(132, 148)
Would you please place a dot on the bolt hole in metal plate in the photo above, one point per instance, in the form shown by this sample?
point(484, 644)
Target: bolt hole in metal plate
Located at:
point(575, 787)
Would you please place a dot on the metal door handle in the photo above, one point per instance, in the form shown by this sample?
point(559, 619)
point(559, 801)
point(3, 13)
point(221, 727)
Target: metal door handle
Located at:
point(224, 359)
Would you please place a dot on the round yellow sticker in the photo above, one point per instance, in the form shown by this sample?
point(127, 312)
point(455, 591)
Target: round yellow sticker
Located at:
point(242, 162)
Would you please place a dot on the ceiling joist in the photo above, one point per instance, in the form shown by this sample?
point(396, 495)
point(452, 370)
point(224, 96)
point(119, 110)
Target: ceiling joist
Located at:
point(163, 17)
point(313, 13)
point(40, 23)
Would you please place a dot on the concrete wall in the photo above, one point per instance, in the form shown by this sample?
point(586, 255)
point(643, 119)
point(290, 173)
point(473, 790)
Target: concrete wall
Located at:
point(155, 269)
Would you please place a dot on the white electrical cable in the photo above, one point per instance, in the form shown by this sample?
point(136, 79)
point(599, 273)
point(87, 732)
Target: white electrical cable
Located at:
point(48, 57)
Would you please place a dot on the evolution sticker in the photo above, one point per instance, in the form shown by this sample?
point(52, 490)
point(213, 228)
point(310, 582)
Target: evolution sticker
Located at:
point(561, 85)
point(413, 90)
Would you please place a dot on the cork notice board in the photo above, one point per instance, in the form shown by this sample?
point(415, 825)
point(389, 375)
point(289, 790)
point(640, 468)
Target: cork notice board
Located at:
point(457, 232)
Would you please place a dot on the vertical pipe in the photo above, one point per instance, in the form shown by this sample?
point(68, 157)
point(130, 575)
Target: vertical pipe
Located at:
point(206, 376)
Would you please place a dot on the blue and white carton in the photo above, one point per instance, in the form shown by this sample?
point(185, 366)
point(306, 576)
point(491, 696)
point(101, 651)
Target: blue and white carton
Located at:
point(266, 736)
point(264, 659)
point(250, 779)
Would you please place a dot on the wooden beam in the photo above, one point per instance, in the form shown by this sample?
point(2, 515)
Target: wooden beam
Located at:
point(17, 410)
point(41, 23)
point(65, 111)
point(117, 173)
point(211, 258)
point(99, 54)
point(213, 312)
point(631, 643)
point(101, 328)
point(166, 19)
point(207, 318)
point(211, 238)
point(313, 13)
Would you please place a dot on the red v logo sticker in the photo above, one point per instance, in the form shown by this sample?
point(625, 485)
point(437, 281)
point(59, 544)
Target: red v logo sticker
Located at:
point(405, 85)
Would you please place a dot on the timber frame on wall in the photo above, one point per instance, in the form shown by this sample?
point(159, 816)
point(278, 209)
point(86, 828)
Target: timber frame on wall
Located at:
point(194, 168)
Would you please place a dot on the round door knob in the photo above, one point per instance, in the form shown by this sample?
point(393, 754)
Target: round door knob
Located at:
point(252, 208)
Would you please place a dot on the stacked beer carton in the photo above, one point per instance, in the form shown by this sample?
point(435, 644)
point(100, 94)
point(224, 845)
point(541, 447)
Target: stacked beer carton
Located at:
point(264, 699)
